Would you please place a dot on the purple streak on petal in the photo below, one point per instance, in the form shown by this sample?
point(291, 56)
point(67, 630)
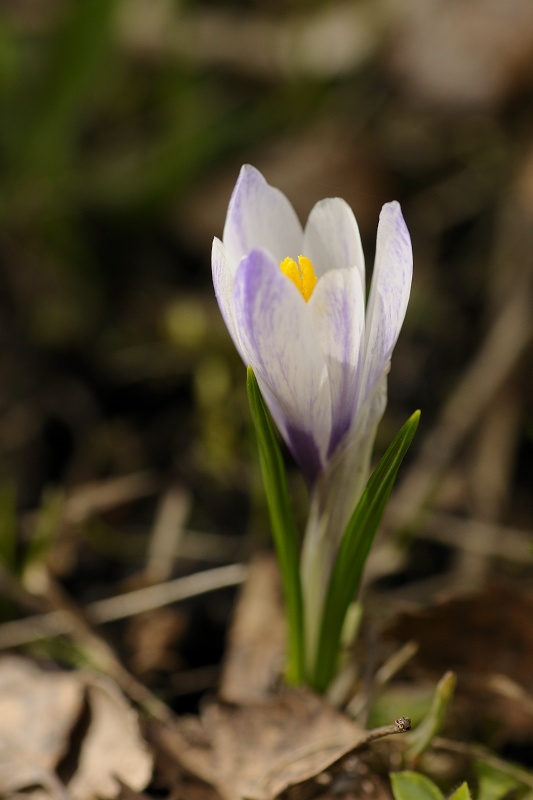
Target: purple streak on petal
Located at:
point(303, 448)
point(280, 343)
point(389, 295)
point(260, 216)
point(337, 306)
point(345, 476)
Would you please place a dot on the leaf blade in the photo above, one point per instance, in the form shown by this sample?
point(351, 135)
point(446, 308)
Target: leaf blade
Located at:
point(353, 551)
point(461, 793)
point(409, 785)
point(420, 739)
point(283, 525)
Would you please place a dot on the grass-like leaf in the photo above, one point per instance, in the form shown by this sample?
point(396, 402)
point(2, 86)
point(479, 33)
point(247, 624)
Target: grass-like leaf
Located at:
point(414, 786)
point(71, 73)
point(46, 527)
point(461, 793)
point(283, 526)
point(492, 783)
point(421, 738)
point(353, 551)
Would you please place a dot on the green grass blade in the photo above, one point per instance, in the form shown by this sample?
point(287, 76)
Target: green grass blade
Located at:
point(46, 529)
point(461, 793)
point(71, 74)
point(283, 525)
point(492, 783)
point(421, 738)
point(353, 551)
point(414, 786)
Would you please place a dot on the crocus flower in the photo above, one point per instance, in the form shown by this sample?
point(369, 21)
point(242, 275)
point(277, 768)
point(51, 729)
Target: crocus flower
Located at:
point(293, 301)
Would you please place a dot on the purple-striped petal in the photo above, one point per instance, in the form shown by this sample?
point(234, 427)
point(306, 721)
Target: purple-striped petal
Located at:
point(260, 216)
point(344, 478)
point(338, 310)
point(389, 295)
point(280, 343)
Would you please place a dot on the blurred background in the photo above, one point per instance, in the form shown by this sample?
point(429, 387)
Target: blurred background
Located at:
point(123, 125)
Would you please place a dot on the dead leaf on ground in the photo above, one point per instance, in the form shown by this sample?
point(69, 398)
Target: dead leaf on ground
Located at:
point(256, 644)
point(260, 742)
point(487, 639)
point(259, 751)
point(112, 747)
point(39, 711)
point(479, 634)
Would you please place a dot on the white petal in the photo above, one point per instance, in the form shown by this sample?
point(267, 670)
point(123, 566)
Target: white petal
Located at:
point(331, 238)
point(223, 280)
point(345, 476)
point(338, 309)
point(389, 294)
point(280, 343)
point(260, 216)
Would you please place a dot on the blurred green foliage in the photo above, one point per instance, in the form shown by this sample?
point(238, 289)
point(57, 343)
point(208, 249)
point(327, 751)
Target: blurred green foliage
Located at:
point(92, 134)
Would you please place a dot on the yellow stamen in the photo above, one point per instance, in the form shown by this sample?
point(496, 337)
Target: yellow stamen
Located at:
point(301, 274)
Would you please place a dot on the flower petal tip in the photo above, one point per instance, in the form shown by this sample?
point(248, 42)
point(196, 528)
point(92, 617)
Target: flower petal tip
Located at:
point(216, 246)
point(391, 213)
point(249, 177)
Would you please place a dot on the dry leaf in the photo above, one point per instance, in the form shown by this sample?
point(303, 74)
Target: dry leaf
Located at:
point(112, 748)
point(256, 643)
point(487, 639)
point(268, 742)
point(37, 712)
point(260, 751)
point(474, 634)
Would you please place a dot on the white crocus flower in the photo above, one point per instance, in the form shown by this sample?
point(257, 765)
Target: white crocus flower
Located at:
point(293, 300)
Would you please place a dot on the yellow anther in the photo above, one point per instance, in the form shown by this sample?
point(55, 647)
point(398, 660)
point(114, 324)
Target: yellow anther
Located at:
point(289, 267)
point(301, 274)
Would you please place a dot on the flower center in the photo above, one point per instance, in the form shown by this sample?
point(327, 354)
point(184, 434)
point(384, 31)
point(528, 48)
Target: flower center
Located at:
point(302, 274)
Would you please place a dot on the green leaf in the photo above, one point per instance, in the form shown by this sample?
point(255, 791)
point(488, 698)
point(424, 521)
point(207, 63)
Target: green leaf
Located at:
point(414, 786)
point(76, 62)
point(492, 783)
point(353, 552)
point(461, 793)
point(432, 723)
point(283, 525)
point(46, 528)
